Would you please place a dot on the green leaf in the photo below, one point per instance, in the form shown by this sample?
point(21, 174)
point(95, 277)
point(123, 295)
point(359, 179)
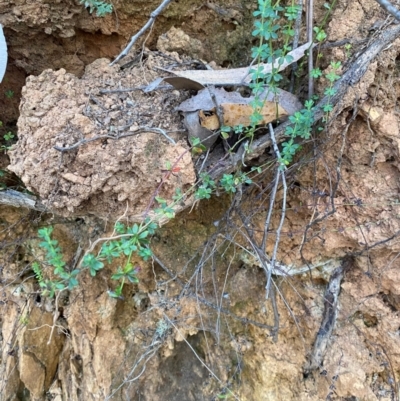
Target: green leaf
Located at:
point(114, 294)
point(133, 230)
point(143, 234)
point(316, 73)
point(160, 200)
point(178, 195)
point(151, 226)
point(109, 251)
point(92, 263)
point(133, 279)
point(118, 275)
point(120, 227)
point(330, 91)
point(128, 246)
point(145, 253)
point(72, 283)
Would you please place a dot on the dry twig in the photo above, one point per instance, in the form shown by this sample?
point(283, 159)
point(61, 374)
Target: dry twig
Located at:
point(115, 137)
point(148, 25)
point(390, 8)
point(331, 298)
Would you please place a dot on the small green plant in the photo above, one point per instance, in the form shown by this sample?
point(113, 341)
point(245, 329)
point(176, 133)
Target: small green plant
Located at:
point(229, 182)
point(9, 94)
point(197, 147)
point(348, 47)
point(9, 138)
point(320, 34)
point(225, 394)
point(268, 29)
point(205, 188)
point(302, 122)
point(100, 7)
point(132, 240)
point(54, 258)
point(332, 77)
point(24, 319)
point(125, 242)
point(164, 210)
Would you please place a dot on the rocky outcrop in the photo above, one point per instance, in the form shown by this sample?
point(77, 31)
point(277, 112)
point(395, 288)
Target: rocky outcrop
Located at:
point(121, 171)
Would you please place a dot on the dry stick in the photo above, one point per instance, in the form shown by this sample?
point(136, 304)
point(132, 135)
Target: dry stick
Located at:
point(268, 287)
point(389, 8)
point(262, 257)
point(331, 298)
point(148, 24)
point(55, 317)
point(136, 88)
point(328, 45)
point(349, 78)
point(225, 311)
point(283, 212)
point(269, 215)
point(19, 199)
point(114, 138)
point(310, 10)
point(240, 76)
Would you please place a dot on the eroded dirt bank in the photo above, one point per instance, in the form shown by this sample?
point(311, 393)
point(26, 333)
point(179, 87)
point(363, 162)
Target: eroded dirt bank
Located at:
point(62, 34)
point(197, 326)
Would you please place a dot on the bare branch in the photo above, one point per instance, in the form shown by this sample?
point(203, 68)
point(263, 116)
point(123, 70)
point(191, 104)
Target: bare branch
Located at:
point(283, 213)
point(390, 8)
point(115, 137)
point(19, 199)
point(331, 297)
point(148, 24)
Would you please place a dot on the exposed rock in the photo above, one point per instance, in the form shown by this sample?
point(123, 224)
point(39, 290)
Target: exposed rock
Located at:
point(105, 177)
point(176, 40)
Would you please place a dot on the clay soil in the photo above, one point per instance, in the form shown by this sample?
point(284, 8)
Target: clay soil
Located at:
point(197, 326)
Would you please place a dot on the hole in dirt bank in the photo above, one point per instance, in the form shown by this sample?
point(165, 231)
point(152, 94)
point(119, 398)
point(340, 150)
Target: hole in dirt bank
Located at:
point(397, 62)
point(182, 376)
point(23, 393)
point(390, 302)
point(10, 95)
point(370, 320)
